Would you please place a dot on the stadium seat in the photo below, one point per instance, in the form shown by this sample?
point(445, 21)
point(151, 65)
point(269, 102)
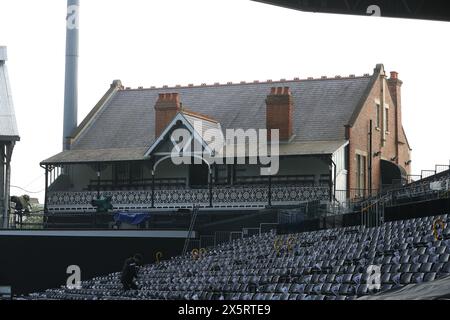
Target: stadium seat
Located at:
point(329, 265)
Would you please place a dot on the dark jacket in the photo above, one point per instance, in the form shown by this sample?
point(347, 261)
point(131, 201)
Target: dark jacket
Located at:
point(130, 270)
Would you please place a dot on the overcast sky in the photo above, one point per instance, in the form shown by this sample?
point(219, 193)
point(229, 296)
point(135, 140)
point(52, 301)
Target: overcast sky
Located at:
point(169, 42)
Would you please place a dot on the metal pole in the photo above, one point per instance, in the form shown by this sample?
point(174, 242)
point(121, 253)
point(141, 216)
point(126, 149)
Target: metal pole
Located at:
point(98, 180)
point(46, 190)
point(2, 180)
point(330, 182)
point(153, 187)
point(7, 190)
point(210, 187)
point(71, 77)
point(370, 157)
point(270, 191)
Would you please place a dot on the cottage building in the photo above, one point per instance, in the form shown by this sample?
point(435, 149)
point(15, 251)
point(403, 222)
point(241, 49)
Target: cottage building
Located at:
point(339, 138)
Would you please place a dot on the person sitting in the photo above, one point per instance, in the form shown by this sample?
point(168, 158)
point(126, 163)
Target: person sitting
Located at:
point(130, 271)
point(139, 259)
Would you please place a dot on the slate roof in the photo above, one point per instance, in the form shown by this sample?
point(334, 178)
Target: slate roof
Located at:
point(322, 108)
point(8, 125)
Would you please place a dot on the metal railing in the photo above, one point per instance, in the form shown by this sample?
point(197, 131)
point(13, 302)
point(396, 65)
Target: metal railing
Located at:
point(254, 196)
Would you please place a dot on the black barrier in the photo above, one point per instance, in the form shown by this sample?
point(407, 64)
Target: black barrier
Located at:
point(335, 221)
point(417, 210)
point(30, 263)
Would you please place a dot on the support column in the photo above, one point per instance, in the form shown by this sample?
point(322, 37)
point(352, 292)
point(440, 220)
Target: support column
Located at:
point(269, 196)
point(153, 183)
point(2, 180)
point(330, 184)
point(7, 192)
point(333, 178)
point(7, 178)
point(98, 180)
point(370, 158)
point(210, 187)
point(46, 191)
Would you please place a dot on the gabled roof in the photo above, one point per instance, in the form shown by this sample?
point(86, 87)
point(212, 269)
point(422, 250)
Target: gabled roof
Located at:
point(322, 109)
point(197, 124)
point(8, 124)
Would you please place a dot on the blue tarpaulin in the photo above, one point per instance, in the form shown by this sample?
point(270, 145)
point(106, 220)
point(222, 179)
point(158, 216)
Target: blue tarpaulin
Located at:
point(131, 218)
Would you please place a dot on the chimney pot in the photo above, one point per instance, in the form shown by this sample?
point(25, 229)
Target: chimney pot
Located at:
point(116, 84)
point(394, 75)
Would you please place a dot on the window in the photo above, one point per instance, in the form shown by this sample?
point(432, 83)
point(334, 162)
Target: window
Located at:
point(387, 120)
point(360, 175)
point(378, 115)
point(136, 171)
point(121, 173)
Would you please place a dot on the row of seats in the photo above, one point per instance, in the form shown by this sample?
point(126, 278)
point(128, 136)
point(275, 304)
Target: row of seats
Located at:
point(332, 264)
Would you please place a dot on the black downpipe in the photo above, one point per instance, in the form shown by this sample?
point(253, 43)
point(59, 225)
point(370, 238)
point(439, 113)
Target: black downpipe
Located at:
point(370, 164)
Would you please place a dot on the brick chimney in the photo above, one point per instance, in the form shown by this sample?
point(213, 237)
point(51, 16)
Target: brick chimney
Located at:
point(394, 85)
point(280, 112)
point(166, 108)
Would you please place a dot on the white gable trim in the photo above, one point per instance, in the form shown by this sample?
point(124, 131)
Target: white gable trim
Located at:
point(194, 133)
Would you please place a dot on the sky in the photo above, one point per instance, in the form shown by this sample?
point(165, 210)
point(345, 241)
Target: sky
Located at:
point(169, 42)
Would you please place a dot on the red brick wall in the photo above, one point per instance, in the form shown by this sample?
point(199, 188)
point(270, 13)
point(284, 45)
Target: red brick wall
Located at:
point(359, 138)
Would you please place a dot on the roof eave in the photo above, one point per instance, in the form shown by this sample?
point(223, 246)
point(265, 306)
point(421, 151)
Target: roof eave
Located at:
point(10, 138)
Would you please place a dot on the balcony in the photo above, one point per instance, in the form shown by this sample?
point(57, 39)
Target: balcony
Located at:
point(176, 197)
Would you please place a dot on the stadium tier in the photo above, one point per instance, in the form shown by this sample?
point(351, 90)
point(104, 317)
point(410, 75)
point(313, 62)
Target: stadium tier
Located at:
point(333, 264)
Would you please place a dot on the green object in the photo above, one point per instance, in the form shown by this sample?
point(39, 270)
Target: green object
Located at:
point(102, 205)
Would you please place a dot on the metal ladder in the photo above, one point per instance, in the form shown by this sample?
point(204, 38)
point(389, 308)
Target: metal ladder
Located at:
point(373, 214)
point(195, 210)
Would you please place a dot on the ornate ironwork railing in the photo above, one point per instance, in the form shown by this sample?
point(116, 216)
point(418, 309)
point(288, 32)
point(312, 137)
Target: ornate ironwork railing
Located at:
point(222, 197)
